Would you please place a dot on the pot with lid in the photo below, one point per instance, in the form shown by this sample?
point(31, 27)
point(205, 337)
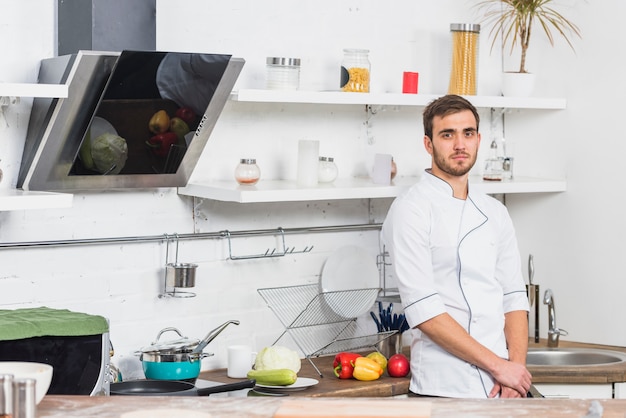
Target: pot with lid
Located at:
point(178, 359)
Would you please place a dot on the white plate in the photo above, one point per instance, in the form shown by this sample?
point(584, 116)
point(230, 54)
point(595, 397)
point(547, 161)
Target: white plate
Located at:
point(301, 384)
point(350, 268)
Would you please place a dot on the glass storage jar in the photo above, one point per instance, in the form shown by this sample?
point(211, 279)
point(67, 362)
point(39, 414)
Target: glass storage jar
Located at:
point(247, 172)
point(283, 73)
point(355, 71)
point(464, 70)
point(327, 170)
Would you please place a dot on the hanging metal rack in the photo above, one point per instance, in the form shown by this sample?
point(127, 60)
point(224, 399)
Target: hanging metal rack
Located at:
point(276, 252)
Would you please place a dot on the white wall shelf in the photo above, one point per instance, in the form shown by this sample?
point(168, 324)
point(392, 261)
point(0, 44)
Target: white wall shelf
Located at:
point(13, 199)
point(33, 90)
point(391, 99)
point(354, 188)
point(364, 188)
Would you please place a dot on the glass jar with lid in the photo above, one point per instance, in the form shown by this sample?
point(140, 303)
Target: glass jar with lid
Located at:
point(464, 71)
point(355, 71)
point(283, 73)
point(327, 170)
point(247, 172)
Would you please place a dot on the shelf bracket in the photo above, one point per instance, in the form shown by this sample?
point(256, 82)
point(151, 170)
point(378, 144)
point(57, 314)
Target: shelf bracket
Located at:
point(269, 253)
point(5, 101)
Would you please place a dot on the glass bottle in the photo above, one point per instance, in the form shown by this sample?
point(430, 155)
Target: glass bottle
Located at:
point(493, 164)
point(327, 170)
point(355, 71)
point(247, 172)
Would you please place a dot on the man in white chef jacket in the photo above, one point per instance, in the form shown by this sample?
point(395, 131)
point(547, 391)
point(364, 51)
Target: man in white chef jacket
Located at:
point(456, 260)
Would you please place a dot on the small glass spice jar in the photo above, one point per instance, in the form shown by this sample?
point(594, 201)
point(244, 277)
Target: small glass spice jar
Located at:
point(355, 71)
point(283, 73)
point(247, 172)
point(327, 172)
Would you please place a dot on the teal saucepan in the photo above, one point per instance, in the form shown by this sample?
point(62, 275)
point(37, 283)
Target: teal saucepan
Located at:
point(180, 366)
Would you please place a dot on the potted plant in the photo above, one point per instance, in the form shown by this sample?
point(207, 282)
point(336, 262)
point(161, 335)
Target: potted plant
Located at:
point(513, 21)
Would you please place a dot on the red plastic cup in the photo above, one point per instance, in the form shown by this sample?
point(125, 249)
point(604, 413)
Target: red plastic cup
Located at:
point(409, 82)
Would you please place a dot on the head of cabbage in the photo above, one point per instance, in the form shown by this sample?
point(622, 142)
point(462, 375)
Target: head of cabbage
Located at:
point(277, 357)
point(106, 154)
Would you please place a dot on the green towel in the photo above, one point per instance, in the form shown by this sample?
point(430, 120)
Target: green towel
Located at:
point(39, 322)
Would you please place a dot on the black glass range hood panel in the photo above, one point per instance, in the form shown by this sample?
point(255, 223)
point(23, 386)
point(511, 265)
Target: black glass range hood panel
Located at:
point(118, 93)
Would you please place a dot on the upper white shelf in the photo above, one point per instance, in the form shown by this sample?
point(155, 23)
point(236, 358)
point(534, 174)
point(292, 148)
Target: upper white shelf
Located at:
point(392, 99)
point(13, 199)
point(34, 90)
point(352, 188)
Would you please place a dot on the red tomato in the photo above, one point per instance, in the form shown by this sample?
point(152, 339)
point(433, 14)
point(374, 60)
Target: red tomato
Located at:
point(398, 365)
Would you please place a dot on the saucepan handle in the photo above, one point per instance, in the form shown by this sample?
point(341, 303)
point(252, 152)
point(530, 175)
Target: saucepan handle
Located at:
point(227, 387)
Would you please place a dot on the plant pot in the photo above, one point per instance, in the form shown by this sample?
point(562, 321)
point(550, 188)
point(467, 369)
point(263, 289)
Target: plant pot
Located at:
point(517, 84)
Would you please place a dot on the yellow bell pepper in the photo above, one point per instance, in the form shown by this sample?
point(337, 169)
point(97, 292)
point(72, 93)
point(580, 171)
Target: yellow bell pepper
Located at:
point(159, 122)
point(366, 369)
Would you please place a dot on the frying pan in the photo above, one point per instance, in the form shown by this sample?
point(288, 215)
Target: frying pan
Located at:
point(173, 387)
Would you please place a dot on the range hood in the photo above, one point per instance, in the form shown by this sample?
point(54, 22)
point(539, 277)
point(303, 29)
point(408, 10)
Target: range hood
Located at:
point(117, 93)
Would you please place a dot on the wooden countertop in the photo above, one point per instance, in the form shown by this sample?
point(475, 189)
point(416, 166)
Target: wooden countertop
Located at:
point(330, 386)
point(55, 406)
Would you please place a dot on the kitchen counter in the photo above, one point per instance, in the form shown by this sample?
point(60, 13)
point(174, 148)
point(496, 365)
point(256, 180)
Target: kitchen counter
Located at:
point(330, 396)
point(330, 386)
point(56, 406)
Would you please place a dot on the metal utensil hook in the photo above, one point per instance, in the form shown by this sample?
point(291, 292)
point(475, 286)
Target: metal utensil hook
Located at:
point(167, 248)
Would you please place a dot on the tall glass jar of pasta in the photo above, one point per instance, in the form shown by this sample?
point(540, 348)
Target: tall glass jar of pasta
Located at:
point(355, 71)
point(464, 72)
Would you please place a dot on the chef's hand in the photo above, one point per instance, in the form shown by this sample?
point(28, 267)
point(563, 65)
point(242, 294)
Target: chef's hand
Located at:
point(505, 392)
point(514, 376)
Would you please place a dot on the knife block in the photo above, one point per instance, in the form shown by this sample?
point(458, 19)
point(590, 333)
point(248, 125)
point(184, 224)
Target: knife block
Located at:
point(532, 292)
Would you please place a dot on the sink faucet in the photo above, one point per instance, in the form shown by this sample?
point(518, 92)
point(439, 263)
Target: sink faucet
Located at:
point(553, 331)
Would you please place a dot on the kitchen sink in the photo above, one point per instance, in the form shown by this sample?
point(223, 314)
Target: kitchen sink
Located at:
point(564, 357)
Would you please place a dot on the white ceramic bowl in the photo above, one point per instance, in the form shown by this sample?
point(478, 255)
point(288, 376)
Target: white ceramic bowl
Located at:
point(41, 372)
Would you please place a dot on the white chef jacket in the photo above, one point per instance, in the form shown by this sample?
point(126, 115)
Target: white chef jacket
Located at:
point(460, 257)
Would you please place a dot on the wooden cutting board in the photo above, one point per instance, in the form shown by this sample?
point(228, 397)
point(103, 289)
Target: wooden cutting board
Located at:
point(354, 407)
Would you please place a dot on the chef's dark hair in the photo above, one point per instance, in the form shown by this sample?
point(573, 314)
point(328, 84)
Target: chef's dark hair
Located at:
point(444, 106)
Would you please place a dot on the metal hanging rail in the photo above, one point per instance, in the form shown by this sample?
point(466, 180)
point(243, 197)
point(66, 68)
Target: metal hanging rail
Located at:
point(193, 236)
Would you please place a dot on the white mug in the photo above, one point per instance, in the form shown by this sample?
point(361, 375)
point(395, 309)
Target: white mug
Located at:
point(240, 360)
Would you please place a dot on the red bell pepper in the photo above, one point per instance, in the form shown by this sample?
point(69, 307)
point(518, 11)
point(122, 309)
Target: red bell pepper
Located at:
point(160, 144)
point(343, 365)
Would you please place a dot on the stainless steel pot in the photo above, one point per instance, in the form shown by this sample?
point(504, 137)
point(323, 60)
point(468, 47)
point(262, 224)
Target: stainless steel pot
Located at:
point(178, 359)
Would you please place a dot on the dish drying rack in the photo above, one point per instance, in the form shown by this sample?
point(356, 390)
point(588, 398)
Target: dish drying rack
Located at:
point(322, 323)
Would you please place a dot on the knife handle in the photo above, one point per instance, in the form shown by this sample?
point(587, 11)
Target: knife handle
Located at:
point(536, 313)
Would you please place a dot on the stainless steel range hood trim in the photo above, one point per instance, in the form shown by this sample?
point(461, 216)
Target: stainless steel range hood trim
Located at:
point(49, 151)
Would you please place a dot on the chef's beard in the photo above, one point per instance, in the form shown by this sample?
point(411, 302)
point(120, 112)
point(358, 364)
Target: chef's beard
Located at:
point(444, 165)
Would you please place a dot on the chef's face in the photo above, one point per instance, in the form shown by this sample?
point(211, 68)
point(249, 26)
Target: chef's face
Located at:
point(454, 145)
